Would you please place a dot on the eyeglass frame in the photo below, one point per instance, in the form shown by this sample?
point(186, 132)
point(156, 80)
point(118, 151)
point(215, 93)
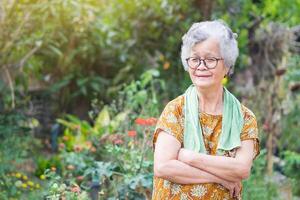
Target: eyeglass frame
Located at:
point(217, 60)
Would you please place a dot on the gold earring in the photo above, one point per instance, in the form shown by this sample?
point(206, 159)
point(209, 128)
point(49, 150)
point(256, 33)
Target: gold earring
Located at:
point(225, 80)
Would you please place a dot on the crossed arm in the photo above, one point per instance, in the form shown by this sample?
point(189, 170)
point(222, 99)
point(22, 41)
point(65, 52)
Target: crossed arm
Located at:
point(183, 166)
point(167, 165)
point(228, 168)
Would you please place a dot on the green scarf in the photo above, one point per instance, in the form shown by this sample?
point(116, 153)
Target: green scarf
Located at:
point(232, 123)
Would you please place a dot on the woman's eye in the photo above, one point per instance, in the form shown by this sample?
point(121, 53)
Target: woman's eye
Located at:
point(210, 60)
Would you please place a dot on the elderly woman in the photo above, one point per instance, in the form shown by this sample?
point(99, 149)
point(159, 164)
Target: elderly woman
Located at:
point(205, 139)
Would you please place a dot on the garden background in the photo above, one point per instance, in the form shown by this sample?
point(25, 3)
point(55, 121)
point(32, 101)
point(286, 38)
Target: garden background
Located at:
point(82, 83)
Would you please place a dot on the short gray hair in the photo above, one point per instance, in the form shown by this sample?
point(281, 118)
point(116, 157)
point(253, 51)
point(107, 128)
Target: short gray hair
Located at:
point(202, 31)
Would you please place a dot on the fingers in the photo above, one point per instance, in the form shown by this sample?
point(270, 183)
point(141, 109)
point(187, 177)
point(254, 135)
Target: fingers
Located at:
point(230, 187)
point(231, 192)
point(237, 189)
point(234, 188)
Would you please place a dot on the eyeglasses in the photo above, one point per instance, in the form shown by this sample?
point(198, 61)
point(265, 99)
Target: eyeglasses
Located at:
point(195, 62)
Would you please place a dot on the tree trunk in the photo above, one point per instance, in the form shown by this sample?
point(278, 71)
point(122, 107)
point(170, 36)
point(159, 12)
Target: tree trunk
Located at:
point(270, 153)
point(206, 7)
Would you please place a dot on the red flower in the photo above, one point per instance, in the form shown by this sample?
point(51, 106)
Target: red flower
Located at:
point(88, 144)
point(152, 121)
point(131, 133)
point(146, 122)
point(118, 141)
point(61, 146)
point(266, 126)
point(70, 167)
point(65, 138)
point(77, 148)
point(79, 178)
point(93, 149)
point(141, 121)
point(75, 189)
point(78, 127)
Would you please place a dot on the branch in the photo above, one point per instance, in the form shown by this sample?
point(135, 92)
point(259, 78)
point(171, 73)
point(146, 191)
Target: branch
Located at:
point(11, 87)
point(15, 35)
point(28, 55)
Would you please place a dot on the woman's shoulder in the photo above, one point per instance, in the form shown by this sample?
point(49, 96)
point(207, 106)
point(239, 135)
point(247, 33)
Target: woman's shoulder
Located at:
point(248, 114)
point(175, 105)
point(177, 101)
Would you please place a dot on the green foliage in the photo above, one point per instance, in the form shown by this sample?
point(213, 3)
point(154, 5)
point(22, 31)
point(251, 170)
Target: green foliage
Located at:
point(15, 185)
point(12, 134)
point(291, 169)
point(43, 164)
point(134, 172)
point(82, 48)
point(292, 164)
point(259, 186)
point(57, 189)
point(16, 145)
point(125, 169)
point(245, 17)
point(141, 96)
point(77, 132)
point(291, 108)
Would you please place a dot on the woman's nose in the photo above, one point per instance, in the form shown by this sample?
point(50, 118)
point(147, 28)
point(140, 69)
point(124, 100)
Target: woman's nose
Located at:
point(201, 66)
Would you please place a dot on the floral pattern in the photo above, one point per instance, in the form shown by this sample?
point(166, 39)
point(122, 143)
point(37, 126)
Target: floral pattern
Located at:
point(176, 188)
point(198, 191)
point(171, 121)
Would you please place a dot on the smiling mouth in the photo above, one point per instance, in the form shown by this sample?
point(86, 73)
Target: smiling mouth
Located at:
point(203, 76)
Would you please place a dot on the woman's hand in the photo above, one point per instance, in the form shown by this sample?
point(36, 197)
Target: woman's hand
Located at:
point(233, 187)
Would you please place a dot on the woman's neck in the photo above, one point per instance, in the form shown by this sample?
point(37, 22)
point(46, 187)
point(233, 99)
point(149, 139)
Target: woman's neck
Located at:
point(211, 102)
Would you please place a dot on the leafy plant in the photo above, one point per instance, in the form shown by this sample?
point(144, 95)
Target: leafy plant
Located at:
point(291, 169)
point(58, 189)
point(259, 186)
point(16, 146)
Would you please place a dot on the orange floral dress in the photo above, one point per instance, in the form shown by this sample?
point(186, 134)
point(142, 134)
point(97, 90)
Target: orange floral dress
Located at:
point(172, 122)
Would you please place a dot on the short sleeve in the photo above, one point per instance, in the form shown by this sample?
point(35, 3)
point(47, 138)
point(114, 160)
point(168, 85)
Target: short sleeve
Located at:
point(250, 130)
point(171, 120)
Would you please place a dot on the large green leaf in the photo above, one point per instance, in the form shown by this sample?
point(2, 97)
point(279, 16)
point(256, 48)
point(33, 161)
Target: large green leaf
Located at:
point(102, 120)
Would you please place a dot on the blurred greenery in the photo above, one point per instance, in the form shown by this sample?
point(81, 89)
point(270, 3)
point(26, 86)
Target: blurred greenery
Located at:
point(76, 74)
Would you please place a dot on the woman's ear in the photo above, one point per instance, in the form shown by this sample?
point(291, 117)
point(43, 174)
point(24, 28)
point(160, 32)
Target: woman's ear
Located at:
point(226, 72)
point(227, 69)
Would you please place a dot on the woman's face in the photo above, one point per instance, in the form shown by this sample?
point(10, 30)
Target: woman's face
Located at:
point(202, 76)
